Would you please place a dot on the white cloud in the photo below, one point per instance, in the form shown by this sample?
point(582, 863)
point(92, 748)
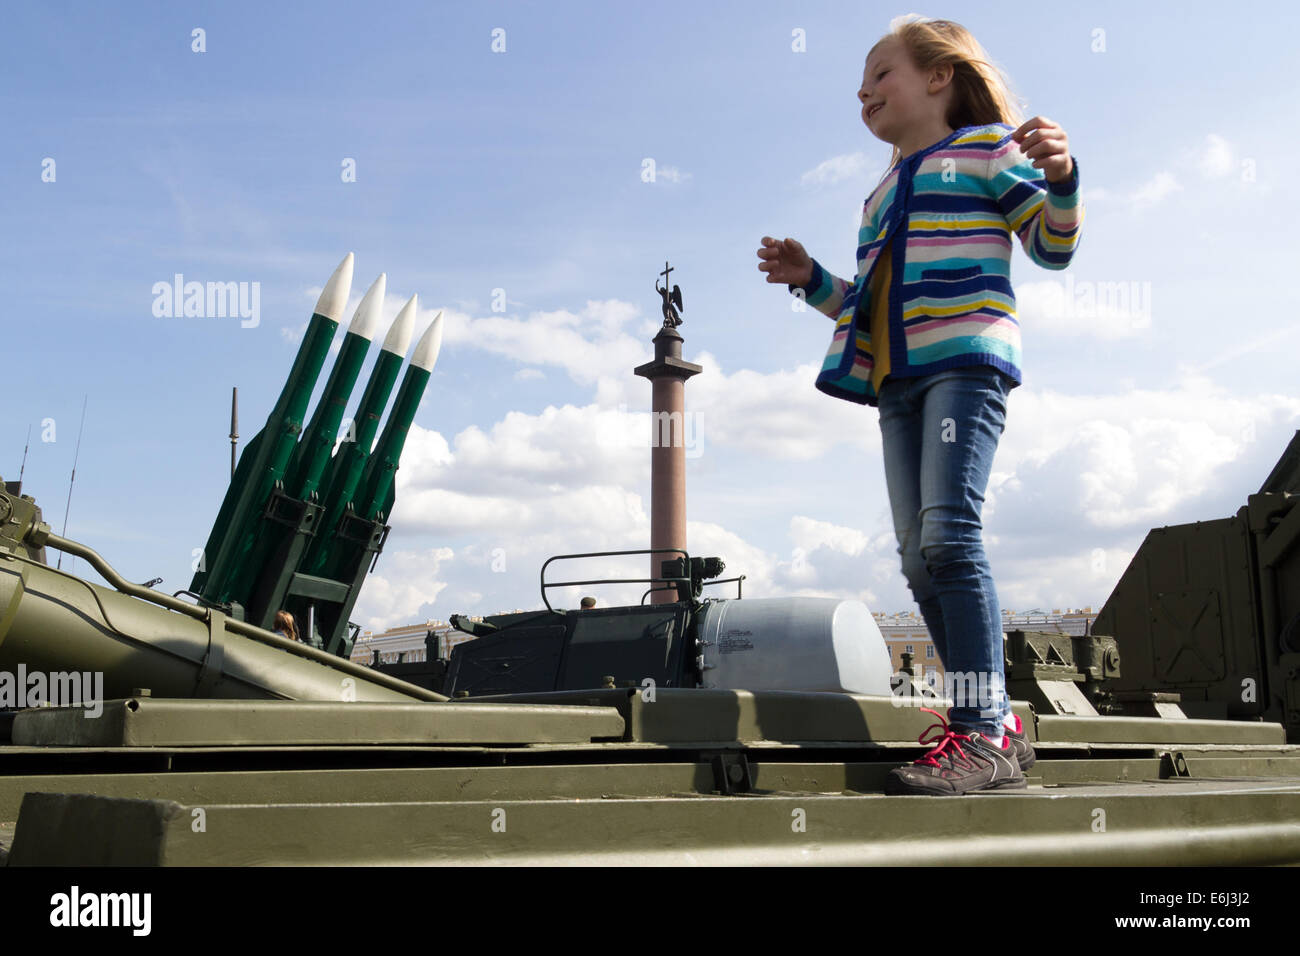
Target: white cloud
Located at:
point(566, 445)
point(836, 170)
point(1215, 159)
point(1256, 344)
point(585, 344)
point(293, 334)
point(1161, 185)
point(1075, 577)
point(403, 583)
point(777, 414)
point(706, 539)
point(511, 538)
point(1090, 464)
point(1083, 307)
point(809, 534)
point(1212, 159)
point(605, 509)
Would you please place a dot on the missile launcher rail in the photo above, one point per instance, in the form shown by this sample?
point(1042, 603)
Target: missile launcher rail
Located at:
point(299, 530)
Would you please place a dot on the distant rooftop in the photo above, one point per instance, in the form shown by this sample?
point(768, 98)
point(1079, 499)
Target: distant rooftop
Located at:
point(1035, 614)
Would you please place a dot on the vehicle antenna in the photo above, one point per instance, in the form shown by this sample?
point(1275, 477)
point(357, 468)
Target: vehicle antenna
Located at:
point(25, 447)
point(234, 428)
point(75, 455)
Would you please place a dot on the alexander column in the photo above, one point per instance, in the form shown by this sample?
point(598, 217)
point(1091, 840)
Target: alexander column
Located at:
point(668, 375)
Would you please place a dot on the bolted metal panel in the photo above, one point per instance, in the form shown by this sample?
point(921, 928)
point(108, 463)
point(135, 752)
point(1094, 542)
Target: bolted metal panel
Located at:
point(681, 716)
point(149, 722)
point(1184, 615)
point(524, 658)
point(93, 831)
point(1155, 730)
point(1176, 823)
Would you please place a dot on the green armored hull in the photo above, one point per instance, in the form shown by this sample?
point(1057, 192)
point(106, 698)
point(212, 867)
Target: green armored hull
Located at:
point(1168, 736)
point(362, 768)
point(697, 777)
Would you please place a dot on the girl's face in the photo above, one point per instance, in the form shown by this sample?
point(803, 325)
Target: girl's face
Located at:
point(894, 94)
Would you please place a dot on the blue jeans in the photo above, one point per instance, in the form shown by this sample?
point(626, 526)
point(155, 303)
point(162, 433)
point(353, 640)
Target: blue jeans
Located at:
point(939, 434)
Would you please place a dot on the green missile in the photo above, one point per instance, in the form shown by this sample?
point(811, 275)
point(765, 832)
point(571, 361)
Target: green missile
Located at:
point(266, 457)
point(345, 468)
point(312, 453)
point(376, 486)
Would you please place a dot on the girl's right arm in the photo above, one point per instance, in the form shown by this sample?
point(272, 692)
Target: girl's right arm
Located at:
point(1046, 216)
point(787, 261)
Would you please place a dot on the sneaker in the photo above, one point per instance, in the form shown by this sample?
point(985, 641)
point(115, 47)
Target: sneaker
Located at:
point(1021, 747)
point(959, 763)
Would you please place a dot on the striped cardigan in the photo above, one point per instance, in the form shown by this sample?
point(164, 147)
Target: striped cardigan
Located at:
point(950, 299)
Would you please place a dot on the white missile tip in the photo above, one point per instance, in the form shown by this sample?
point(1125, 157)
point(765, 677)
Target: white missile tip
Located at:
point(426, 352)
point(335, 295)
point(399, 335)
point(365, 321)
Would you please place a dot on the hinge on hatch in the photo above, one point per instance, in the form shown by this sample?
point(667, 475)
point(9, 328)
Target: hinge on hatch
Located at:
point(1173, 764)
point(731, 773)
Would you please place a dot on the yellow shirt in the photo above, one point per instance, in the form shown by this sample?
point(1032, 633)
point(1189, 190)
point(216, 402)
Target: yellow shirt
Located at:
point(879, 327)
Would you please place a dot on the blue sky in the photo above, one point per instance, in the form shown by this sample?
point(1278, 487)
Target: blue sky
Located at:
point(521, 170)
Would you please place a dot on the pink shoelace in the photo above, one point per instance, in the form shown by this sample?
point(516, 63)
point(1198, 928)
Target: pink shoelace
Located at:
point(946, 738)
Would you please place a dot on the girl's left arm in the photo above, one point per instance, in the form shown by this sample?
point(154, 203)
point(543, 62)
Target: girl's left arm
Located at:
point(1035, 182)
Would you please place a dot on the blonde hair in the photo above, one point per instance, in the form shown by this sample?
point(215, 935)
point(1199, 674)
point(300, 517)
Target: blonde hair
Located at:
point(982, 92)
point(284, 622)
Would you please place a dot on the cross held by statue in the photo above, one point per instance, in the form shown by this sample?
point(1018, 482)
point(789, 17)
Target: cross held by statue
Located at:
point(672, 301)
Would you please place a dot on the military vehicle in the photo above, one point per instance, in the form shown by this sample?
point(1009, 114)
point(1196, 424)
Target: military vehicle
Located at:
point(142, 729)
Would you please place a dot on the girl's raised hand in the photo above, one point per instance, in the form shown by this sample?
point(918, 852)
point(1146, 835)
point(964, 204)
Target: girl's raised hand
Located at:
point(1047, 145)
point(785, 261)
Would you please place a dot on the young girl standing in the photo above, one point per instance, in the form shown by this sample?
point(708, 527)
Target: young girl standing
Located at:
point(927, 333)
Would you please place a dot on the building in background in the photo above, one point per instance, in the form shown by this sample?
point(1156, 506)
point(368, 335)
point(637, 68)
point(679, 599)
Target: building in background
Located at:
point(906, 633)
point(409, 643)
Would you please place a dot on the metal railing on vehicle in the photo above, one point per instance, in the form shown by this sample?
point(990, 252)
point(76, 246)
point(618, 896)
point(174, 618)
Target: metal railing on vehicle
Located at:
point(665, 582)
